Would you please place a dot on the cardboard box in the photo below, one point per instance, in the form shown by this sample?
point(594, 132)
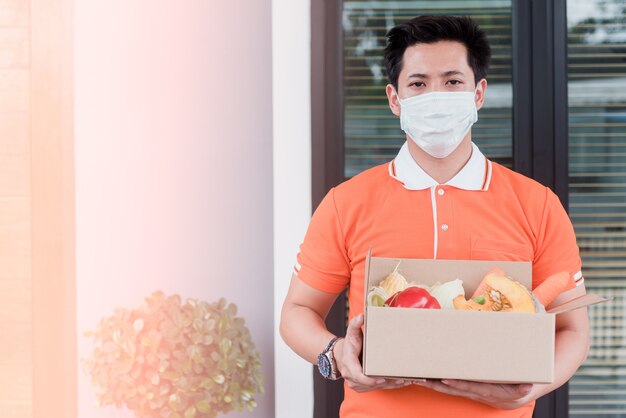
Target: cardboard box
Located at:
point(505, 347)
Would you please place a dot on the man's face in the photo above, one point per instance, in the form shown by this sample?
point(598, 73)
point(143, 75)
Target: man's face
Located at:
point(441, 66)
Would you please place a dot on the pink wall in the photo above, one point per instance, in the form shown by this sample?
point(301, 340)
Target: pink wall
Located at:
point(174, 163)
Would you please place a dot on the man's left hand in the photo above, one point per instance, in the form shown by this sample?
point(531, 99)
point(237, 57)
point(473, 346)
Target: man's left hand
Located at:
point(503, 396)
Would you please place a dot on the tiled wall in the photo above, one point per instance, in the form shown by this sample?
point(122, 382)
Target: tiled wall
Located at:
point(15, 216)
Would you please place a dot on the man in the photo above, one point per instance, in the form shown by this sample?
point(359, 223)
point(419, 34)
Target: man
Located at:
point(439, 198)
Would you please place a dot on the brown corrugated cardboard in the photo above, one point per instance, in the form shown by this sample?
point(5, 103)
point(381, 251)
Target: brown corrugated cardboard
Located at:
point(506, 347)
point(586, 300)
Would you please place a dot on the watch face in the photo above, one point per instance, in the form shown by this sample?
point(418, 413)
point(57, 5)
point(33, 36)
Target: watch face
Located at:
point(323, 364)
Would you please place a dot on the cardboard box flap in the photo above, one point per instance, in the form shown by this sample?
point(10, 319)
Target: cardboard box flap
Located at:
point(365, 305)
point(580, 302)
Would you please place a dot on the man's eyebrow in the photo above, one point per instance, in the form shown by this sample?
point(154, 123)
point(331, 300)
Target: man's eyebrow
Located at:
point(445, 74)
point(418, 75)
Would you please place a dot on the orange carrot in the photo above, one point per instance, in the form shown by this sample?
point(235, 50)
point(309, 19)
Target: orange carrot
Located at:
point(480, 290)
point(553, 286)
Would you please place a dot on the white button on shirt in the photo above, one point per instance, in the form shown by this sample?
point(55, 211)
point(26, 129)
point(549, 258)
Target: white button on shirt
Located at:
point(475, 175)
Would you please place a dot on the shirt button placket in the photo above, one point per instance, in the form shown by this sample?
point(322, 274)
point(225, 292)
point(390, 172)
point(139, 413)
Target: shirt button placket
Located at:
point(446, 247)
point(441, 192)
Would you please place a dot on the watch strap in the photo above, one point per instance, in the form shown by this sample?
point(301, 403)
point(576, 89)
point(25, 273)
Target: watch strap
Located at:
point(330, 355)
point(331, 344)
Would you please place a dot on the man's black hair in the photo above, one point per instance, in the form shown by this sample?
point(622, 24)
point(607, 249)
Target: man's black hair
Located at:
point(431, 29)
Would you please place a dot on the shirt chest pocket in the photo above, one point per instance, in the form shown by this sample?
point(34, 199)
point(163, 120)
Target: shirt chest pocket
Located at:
point(493, 249)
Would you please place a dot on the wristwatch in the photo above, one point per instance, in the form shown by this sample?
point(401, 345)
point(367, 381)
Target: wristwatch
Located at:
point(326, 362)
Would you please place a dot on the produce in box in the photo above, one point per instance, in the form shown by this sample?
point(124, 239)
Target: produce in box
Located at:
point(497, 292)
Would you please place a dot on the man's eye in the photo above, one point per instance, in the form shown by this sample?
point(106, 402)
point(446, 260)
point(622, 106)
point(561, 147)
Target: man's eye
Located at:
point(455, 82)
point(418, 84)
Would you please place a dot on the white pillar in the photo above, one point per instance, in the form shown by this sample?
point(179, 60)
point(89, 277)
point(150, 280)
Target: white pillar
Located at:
point(291, 52)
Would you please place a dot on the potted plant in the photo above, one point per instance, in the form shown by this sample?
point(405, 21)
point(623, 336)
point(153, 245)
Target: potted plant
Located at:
point(170, 359)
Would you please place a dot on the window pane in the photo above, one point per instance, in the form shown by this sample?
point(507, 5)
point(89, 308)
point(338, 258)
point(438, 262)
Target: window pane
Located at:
point(597, 179)
point(372, 133)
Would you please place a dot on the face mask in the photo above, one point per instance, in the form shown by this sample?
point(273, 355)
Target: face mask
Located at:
point(437, 122)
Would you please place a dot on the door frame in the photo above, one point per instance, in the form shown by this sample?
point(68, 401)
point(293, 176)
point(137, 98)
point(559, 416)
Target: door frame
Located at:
point(540, 133)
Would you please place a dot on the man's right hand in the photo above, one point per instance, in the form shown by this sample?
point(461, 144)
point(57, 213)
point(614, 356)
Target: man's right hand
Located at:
point(347, 352)
point(303, 329)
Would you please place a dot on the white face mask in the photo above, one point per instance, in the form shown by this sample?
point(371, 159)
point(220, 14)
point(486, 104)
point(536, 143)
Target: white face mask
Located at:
point(437, 122)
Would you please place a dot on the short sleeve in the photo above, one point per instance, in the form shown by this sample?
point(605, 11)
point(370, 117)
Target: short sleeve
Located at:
point(323, 261)
point(556, 248)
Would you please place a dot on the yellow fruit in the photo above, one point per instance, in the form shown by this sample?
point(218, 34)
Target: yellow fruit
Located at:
point(501, 294)
point(394, 282)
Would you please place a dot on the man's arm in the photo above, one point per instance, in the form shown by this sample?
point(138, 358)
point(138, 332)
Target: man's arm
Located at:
point(302, 317)
point(571, 343)
point(571, 349)
point(302, 327)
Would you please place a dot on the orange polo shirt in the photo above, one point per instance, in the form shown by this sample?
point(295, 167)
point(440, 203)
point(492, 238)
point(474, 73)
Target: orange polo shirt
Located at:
point(486, 212)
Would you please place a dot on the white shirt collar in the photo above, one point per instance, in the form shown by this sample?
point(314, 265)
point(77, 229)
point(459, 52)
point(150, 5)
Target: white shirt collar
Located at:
point(475, 174)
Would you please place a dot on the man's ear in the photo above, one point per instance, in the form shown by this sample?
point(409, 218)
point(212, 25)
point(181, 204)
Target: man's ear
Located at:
point(481, 88)
point(392, 97)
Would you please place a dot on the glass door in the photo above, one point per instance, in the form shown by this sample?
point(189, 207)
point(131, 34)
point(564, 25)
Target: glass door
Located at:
point(372, 133)
point(596, 138)
point(597, 193)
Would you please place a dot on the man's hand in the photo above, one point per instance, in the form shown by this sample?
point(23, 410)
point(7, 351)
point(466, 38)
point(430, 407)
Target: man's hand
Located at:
point(347, 352)
point(503, 396)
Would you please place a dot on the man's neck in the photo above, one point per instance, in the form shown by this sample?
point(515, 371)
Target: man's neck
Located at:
point(442, 170)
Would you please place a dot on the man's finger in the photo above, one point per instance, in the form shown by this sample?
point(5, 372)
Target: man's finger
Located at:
point(354, 340)
point(363, 380)
point(479, 388)
point(353, 344)
point(354, 370)
point(440, 387)
point(354, 327)
point(388, 384)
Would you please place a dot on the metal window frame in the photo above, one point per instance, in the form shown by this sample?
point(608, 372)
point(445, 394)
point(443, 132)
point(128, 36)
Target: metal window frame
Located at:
point(540, 118)
point(327, 157)
point(540, 132)
point(540, 93)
